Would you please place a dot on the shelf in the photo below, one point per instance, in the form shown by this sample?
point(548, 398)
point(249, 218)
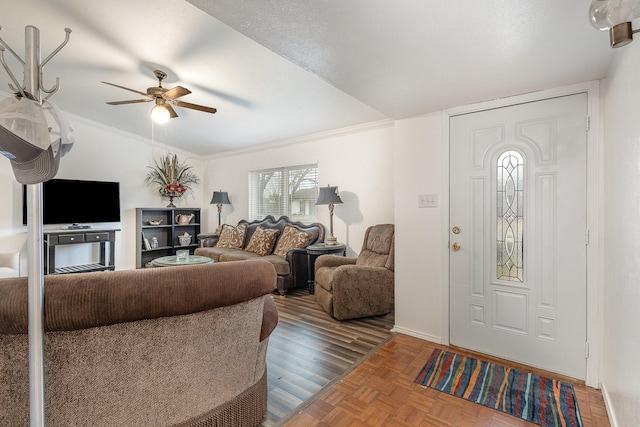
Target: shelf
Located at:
point(166, 233)
point(160, 248)
point(83, 268)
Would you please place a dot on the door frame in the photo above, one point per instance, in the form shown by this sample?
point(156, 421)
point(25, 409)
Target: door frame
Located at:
point(595, 212)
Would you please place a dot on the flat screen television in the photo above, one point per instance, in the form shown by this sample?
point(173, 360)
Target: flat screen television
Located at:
point(75, 202)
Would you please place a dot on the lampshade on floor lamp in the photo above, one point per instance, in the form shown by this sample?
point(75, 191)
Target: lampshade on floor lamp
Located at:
point(329, 196)
point(220, 198)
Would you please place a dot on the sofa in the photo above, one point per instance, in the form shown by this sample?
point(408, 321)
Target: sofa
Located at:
point(280, 241)
point(349, 288)
point(169, 346)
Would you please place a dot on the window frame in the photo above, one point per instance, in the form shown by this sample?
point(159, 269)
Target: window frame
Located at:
point(279, 182)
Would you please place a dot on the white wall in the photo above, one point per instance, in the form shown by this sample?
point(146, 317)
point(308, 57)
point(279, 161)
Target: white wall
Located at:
point(419, 243)
point(104, 154)
point(358, 160)
point(381, 169)
point(621, 349)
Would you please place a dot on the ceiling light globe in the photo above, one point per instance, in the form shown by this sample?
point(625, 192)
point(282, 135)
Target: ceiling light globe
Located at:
point(606, 14)
point(160, 114)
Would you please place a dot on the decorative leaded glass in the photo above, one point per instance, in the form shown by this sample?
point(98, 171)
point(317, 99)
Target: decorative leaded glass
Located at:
point(510, 216)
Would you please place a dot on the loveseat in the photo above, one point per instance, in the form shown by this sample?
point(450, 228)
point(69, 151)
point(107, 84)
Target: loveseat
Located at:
point(170, 346)
point(282, 242)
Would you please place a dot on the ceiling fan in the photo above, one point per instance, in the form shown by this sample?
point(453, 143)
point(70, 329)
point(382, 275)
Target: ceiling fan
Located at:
point(163, 98)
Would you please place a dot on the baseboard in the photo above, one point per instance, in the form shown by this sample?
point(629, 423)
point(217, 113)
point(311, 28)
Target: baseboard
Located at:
point(608, 405)
point(416, 334)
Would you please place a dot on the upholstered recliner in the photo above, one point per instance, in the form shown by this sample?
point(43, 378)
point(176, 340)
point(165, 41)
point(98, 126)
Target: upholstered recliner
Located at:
point(349, 288)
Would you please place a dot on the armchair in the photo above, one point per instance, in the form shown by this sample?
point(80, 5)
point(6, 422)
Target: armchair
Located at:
point(349, 288)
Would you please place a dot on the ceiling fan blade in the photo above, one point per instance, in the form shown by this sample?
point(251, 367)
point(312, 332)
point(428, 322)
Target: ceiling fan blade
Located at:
point(172, 112)
point(126, 88)
point(133, 101)
point(176, 92)
point(194, 106)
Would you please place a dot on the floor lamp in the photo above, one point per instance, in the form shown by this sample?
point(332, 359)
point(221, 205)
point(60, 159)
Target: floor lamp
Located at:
point(220, 198)
point(329, 196)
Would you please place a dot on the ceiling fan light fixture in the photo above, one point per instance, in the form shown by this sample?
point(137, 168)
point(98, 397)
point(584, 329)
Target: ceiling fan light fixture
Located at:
point(163, 98)
point(160, 114)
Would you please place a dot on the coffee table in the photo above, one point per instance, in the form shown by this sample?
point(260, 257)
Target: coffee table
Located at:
point(173, 260)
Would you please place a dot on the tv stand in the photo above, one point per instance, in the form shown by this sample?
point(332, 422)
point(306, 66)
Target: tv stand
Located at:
point(54, 238)
point(77, 226)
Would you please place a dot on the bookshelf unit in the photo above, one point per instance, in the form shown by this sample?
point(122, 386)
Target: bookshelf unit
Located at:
point(166, 233)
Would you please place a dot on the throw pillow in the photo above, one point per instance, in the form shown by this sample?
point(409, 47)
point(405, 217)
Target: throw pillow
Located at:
point(262, 241)
point(232, 237)
point(292, 237)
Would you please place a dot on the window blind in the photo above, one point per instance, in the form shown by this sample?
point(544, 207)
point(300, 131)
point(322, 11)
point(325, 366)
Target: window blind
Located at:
point(289, 191)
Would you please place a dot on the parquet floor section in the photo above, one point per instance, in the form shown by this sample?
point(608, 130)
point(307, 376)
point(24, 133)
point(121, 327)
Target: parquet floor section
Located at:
point(309, 350)
point(381, 392)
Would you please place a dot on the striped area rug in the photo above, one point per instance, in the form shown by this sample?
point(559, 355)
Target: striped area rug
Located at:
point(537, 399)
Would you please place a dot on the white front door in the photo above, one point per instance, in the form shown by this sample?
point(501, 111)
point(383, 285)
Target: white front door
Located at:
point(518, 233)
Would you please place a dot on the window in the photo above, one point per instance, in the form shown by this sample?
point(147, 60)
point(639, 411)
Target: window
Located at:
point(290, 191)
point(510, 216)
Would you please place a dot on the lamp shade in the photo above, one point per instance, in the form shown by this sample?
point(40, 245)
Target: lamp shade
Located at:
point(220, 198)
point(328, 196)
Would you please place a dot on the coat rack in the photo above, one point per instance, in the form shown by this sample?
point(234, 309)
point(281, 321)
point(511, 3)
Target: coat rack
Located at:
point(33, 85)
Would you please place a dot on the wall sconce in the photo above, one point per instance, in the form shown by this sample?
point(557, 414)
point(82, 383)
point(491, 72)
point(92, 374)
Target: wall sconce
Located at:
point(615, 16)
point(329, 196)
point(220, 198)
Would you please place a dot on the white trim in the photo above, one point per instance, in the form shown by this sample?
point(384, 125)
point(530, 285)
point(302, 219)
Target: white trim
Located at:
point(609, 407)
point(416, 334)
point(595, 185)
point(380, 124)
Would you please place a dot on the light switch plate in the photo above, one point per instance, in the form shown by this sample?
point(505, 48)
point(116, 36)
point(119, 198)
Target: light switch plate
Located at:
point(428, 201)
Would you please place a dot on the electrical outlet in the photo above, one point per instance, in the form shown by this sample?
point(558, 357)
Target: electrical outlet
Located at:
point(428, 201)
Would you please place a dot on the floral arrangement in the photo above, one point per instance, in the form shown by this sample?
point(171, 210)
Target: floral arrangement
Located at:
point(173, 177)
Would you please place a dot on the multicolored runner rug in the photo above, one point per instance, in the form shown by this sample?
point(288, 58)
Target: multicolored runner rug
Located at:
point(537, 399)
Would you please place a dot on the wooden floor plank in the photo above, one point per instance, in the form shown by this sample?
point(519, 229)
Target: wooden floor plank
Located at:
point(326, 373)
point(309, 349)
point(381, 391)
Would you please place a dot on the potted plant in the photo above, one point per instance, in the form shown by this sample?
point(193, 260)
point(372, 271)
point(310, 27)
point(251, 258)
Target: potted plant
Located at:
point(173, 177)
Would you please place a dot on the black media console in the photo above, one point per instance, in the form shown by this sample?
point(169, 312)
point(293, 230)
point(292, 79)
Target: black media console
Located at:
point(53, 238)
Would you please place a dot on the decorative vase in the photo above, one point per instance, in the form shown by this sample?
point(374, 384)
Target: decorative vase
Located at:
point(171, 195)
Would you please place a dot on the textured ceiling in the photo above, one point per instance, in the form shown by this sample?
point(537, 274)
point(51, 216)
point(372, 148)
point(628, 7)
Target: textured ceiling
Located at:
point(283, 69)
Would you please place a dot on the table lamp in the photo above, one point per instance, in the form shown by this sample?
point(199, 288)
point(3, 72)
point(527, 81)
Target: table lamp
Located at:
point(220, 198)
point(329, 196)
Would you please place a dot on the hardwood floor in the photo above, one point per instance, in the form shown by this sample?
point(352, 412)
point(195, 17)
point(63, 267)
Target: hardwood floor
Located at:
point(314, 365)
point(309, 350)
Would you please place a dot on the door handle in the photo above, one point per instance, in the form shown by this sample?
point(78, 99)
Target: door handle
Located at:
point(455, 246)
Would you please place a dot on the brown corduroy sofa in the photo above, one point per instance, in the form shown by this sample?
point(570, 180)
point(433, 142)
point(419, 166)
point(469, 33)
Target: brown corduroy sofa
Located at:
point(172, 346)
